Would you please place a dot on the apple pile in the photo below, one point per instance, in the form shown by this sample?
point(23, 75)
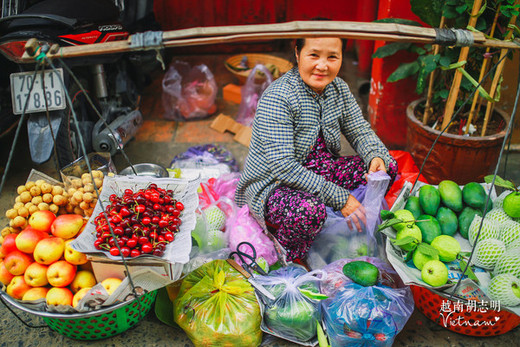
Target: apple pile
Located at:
point(40, 263)
point(143, 222)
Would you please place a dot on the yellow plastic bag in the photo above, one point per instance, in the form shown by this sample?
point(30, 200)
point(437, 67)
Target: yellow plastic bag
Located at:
point(216, 306)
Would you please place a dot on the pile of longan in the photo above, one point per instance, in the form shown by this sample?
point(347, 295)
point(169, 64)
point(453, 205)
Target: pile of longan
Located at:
point(82, 194)
point(34, 196)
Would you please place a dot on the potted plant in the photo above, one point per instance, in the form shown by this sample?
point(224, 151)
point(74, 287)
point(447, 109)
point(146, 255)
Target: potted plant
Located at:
point(460, 87)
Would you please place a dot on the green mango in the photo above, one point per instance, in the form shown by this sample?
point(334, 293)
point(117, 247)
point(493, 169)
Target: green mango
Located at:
point(451, 195)
point(429, 199)
point(412, 205)
point(474, 195)
point(362, 272)
point(448, 221)
point(430, 229)
point(465, 219)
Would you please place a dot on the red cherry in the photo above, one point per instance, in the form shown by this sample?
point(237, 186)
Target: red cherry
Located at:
point(147, 248)
point(146, 220)
point(135, 253)
point(128, 192)
point(179, 206)
point(169, 236)
point(152, 186)
point(132, 242)
point(142, 240)
point(140, 208)
point(114, 251)
point(125, 251)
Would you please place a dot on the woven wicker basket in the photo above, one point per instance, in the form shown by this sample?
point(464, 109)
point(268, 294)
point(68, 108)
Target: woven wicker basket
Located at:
point(94, 325)
point(253, 59)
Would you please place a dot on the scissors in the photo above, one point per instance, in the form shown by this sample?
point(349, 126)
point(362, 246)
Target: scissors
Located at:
point(248, 262)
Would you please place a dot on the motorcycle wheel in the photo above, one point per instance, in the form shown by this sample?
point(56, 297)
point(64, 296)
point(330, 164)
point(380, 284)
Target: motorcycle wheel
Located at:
point(68, 141)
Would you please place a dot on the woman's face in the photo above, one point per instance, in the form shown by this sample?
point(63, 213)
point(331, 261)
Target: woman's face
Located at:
point(319, 61)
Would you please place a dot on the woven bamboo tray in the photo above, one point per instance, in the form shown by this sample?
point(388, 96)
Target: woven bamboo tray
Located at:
point(232, 64)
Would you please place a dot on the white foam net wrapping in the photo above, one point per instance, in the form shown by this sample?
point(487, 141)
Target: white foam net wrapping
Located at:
point(490, 230)
point(501, 289)
point(487, 253)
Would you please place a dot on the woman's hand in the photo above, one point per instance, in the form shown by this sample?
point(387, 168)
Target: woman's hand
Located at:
point(377, 164)
point(356, 213)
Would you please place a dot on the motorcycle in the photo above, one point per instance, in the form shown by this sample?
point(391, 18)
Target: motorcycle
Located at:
point(111, 82)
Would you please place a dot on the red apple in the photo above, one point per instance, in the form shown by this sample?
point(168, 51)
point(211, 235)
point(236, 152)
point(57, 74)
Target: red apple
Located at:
point(35, 293)
point(49, 250)
point(28, 238)
point(73, 256)
point(17, 287)
point(67, 226)
point(9, 243)
point(16, 262)
point(61, 273)
point(5, 276)
point(36, 275)
point(59, 296)
point(42, 220)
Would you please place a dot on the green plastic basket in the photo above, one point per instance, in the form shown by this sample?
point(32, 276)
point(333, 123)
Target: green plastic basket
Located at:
point(99, 324)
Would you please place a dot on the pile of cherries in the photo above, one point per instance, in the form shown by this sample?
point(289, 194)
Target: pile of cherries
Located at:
point(142, 222)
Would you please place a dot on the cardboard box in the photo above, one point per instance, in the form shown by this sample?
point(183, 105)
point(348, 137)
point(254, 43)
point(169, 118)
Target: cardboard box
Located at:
point(225, 123)
point(232, 93)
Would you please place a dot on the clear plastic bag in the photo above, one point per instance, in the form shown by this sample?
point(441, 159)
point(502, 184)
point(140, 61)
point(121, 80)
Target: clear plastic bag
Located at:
point(243, 227)
point(216, 306)
point(188, 92)
point(292, 315)
point(250, 94)
point(366, 316)
point(341, 238)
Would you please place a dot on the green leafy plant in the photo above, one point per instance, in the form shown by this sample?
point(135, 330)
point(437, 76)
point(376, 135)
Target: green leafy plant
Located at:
point(439, 64)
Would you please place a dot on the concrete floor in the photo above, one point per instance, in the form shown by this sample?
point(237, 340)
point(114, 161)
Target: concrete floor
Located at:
point(158, 141)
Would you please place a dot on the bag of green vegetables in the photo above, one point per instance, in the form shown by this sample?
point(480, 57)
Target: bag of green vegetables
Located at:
point(216, 306)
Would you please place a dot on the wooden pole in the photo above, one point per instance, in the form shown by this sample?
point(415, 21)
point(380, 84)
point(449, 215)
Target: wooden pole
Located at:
point(455, 86)
point(481, 76)
point(261, 32)
point(427, 107)
point(498, 73)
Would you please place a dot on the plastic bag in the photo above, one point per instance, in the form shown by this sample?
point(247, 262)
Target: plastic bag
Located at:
point(366, 316)
point(188, 93)
point(243, 227)
point(216, 306)
point(250, 93)
point(340, 238)
point(292, 315)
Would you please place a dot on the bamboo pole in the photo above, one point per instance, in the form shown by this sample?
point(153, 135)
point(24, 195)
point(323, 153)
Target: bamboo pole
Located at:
point(427, 107)
point(455, 86)
point(498, 72)
point(481, 76)
point(261, 32)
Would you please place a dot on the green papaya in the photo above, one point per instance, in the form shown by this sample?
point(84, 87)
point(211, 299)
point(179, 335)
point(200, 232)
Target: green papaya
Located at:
point(465, 219)
point(448, 221)
point(412, 205)
point(430, 227)
point(362, 272)
point(404, 215)
point(451, 195)
point(474, 195)
point(429, 199)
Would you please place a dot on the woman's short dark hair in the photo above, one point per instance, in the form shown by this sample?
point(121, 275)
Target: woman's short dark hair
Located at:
point(301, 42)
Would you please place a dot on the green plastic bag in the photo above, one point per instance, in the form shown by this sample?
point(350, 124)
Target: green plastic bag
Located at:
point(216, 306)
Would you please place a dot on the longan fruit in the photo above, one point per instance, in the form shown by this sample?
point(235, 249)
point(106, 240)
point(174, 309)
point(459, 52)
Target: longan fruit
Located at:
point(71, 191)
point(35, 191)
point(62, 210)
point(85, 178)
point(54, 208)
point(18, 199)
point(25, 197)
point(57, 190)
point(88, 212)
point(78, 210)
point(11, 213)
point(37, 200)
point(84, 205)
point(29, 184)
point(97, 173)
point(46, 188)
point(21, 189)
point(88, 197)
point(47, 197)
point(73, 201)
point(98, 182)
point(69, 208)
point(88, 188)
point(93, 203)
point(59, 200)
point(43, 206)
point(33, 209)
point(6, 231)
point(19, 222)
point(39, 182)
point(78, 196)
point(23, 212)
point(76, 183)
point(17, 205)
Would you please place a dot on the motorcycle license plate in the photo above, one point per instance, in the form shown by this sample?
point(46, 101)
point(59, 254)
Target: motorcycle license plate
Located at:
point(52, 98)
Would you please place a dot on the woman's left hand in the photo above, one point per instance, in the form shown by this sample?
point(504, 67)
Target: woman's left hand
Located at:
point(377, 164)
